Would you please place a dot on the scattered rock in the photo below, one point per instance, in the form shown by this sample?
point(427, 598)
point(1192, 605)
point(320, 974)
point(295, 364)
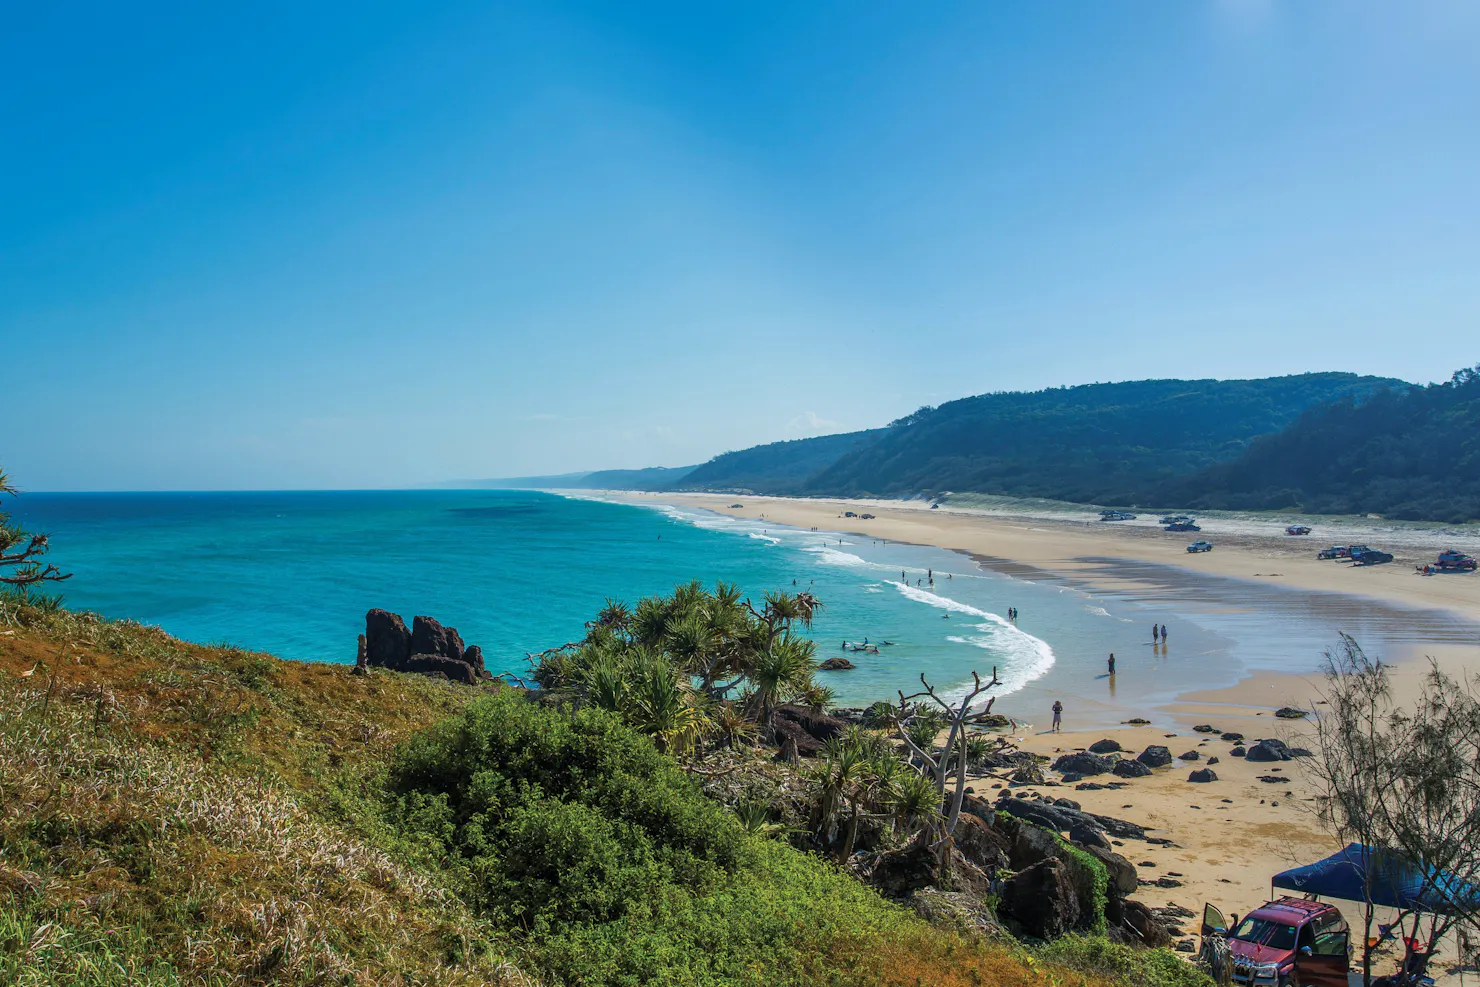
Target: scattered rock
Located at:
point(1104, 747)
point(1083, 764)
point(1232, 738)
point(1090, 786)
point(1131, 769)
point(1238, 752)
point(1202, 776)
point(1269, 750)
point(1138, 722)
point(1189, 756)
point(1212, 761)
point(1274, 779)
point(836, 665)
point(1290, 713)
point(1168, 882)
point(1155, 757)
point(1186, 946)
point(1205, 728)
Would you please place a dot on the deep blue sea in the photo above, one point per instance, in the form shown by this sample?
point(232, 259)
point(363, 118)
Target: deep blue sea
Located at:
point(516, 572)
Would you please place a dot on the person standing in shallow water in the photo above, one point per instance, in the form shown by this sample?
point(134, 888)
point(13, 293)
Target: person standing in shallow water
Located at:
point(1058, 715)
point(1112, 663)
point(1163, 634)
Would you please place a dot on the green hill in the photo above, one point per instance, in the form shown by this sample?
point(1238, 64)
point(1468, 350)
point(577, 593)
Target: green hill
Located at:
point(1410, 453)
point(777, 467)
point(1105, 443)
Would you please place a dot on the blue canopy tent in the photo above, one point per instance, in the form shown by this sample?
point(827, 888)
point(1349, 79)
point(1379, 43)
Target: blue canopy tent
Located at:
point(1394, 882)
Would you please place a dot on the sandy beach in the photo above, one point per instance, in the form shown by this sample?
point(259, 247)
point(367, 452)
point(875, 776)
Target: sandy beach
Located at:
point(1230, 836)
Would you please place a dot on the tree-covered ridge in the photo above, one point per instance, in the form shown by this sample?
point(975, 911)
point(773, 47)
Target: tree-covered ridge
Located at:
point(1108, 443)
point(777, 467)
point(1411, 452)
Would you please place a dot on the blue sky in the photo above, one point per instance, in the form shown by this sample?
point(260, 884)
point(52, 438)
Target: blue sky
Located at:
point(362, 245)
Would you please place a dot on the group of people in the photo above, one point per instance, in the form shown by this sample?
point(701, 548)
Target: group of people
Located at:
point(1012, 614)
point(1155, 631)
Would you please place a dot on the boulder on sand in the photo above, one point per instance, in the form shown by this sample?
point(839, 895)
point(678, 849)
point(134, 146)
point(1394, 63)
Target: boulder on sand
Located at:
point(1083, 764)
point(1131, 769)
point(1202, 776)
point(1104, 747)
point(1268, 750)
point(1189, 756)
point(1155, 756)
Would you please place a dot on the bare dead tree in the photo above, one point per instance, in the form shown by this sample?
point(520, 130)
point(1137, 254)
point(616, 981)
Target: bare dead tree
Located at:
point(21, 551)
point(952, 757)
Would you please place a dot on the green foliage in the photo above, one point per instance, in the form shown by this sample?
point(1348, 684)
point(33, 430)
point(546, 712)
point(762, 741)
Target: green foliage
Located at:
point(1410, 452)
point(574, 830)
point(1131, 967)
point(1091, 882)
point(21, 551)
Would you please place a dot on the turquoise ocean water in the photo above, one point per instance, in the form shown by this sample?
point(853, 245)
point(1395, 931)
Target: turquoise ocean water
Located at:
point(293, 574)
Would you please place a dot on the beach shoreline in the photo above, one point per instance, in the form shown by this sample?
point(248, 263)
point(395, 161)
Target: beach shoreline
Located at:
point(1229, 836)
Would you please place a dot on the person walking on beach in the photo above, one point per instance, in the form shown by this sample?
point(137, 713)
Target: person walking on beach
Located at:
point(1112, 663)
point(1155, 633)
point(1163, 633)
point(1058, 716)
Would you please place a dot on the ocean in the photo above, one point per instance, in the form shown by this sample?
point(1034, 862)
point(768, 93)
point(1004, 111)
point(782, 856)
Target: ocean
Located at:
point(516, 572)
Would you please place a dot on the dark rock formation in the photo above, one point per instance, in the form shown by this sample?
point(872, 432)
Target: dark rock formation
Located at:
point(1056, 818)
point(1202, 775)
point(1083, 764)
point(808, 727)
point(387, 641)
point(429, 637)
point(1189, 756)
point(1123, 880)
point(959, 911)
point(1041, 901)
point(362, 666)
point(428, 648)
point(1104, 747)
point(836, 665)
point(1238, 752)
point(1212, 761)
point(1131, 769)
point(1150, 928)
point(1232, 738)
point(1089, 836)
point(1155, 756)
point(981, 844)
point(1205, 728)
point(1269, 750)
point(1290, 713)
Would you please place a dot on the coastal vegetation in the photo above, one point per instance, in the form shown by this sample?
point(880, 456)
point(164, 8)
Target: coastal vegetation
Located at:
point(180, 814)
point(1411, 453)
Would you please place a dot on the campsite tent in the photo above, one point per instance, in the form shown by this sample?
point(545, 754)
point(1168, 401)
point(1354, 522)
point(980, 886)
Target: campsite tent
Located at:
point(1394, 882)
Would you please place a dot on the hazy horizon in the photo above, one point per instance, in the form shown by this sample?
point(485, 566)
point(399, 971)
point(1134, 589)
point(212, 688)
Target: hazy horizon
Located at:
point(370, 248)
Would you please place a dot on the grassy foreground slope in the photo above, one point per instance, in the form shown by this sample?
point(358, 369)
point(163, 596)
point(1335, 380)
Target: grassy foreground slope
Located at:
point(179, 814)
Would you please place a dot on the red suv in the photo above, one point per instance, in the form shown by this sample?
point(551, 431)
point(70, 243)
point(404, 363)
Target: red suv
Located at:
point(1291, 942)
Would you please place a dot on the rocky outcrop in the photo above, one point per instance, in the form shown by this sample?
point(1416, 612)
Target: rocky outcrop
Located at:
point(981, 844)
point(959, 911)
point(836, 665)
point(428, 648)
point(1290, 713)
point(1122, 872)
point(1058, 818)
point(1041, 901)
point(1104, 747)
point(1146, 924)
point(807, 727)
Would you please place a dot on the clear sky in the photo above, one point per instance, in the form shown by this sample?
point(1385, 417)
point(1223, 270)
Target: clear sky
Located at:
point(370, 244)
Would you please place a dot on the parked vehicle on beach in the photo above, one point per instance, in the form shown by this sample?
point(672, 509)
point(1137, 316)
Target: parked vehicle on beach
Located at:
point(1200, 546)
point(1182, 526)
point(1362, 555)
point(1297, 529)
point(1289, 942)
point(866, 517)
point(849, 514)
point(1334, 552)
point(1116, 516)
point(1451, 560)
point(736, 507)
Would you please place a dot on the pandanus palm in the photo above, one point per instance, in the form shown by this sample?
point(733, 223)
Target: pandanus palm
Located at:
point(778, 672)
point(665, 709)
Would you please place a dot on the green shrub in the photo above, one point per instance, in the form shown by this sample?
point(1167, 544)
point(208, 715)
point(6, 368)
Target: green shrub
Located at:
point(1098, 956)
